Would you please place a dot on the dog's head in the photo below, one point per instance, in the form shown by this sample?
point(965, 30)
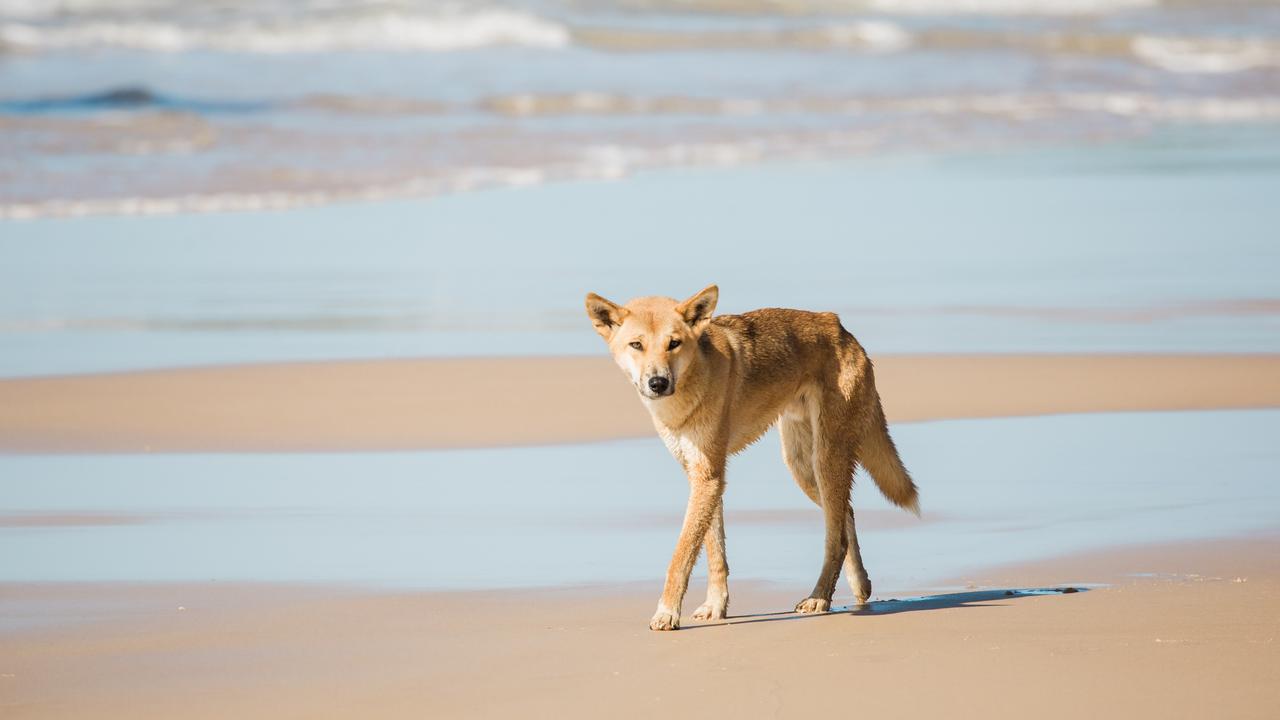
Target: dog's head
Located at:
point(653, 339)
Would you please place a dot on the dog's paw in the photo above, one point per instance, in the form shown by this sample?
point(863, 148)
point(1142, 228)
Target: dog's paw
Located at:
point(711, 611)
point(812, 605)
point(665, 620)
point(861, 591)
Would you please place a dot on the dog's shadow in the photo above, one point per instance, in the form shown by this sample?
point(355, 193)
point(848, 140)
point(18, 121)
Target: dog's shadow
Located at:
point(967, 599)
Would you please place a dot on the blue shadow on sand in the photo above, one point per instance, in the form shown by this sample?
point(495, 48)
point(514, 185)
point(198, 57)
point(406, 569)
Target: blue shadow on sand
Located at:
point(967, 599)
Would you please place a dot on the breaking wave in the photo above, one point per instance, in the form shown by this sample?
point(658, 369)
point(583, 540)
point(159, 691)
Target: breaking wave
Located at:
point(1206, 55)
point(865, 35)
point(1009, 7)
point(647, 84)
point(794, 8)
point(382, 31)
point(440, 29)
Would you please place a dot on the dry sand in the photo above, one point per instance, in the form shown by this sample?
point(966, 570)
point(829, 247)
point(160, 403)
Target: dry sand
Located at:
point(1198, 639)
point(437, 403)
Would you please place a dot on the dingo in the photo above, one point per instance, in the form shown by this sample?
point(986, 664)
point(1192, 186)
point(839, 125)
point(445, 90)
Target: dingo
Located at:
point(714, 385)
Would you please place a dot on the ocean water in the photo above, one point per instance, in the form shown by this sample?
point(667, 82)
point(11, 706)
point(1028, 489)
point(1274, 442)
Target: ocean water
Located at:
point(161, 106)
point(190, 183)
point(993, 492)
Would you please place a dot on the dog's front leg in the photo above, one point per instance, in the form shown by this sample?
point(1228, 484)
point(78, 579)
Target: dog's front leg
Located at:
point(706, 487)
point(717, 605)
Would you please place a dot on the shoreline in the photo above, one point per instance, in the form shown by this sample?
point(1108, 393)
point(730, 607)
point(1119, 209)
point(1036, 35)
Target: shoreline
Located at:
point(1150, 641)
point(419, 404)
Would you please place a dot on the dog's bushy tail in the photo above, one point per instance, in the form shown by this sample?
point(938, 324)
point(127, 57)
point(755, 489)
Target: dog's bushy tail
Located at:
point(879, 456)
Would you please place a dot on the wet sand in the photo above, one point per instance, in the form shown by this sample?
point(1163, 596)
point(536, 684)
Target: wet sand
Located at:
point(448, 403)
point(1187, 630)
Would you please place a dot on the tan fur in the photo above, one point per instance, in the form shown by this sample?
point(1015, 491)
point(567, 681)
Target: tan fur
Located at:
point(731, 378)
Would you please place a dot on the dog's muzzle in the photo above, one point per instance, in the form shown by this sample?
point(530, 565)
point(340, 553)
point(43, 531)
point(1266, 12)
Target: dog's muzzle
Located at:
point(658, 386)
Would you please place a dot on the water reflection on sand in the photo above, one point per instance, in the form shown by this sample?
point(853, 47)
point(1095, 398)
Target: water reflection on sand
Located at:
point(994, 491)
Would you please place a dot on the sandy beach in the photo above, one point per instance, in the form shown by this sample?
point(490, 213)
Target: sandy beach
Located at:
point(1181, 631)
point(443, 403)
point(301, 415)
point(211, 532)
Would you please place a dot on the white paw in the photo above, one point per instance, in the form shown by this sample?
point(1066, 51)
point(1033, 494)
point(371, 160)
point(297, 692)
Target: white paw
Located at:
point(711, 611)
point(665, 620)
point(813, 605)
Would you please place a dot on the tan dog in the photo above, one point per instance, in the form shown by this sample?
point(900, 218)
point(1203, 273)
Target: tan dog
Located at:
point(715, 385)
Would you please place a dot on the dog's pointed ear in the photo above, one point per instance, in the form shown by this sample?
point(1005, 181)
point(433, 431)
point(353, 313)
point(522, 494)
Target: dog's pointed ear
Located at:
point(606, 316)
point(697, 310)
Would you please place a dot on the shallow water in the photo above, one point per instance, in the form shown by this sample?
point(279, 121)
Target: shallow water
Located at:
point(610, 512)
point(1160, 246)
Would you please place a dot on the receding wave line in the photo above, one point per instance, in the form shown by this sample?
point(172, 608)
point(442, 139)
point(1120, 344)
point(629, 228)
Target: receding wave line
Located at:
point(600, 161)
point(1016, 106)
point(482, 160)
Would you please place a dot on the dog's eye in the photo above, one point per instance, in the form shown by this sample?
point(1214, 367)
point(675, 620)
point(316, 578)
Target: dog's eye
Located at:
point(637, 345)
point(673, 344)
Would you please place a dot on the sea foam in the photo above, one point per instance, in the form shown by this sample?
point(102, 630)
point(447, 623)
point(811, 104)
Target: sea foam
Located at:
point(380, 31)
point(1009, 7)
point(1205, 55)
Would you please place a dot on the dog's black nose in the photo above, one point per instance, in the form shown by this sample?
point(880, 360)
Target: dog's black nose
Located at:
point(659, 384)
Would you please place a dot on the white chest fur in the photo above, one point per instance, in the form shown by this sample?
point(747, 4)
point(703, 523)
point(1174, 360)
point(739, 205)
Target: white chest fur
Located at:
point(685, 446)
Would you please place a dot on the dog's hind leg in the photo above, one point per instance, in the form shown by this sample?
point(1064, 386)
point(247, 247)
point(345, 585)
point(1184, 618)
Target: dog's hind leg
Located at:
point(797, 451)
point(856, 573)
point(833, 460)
point(717, 604)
